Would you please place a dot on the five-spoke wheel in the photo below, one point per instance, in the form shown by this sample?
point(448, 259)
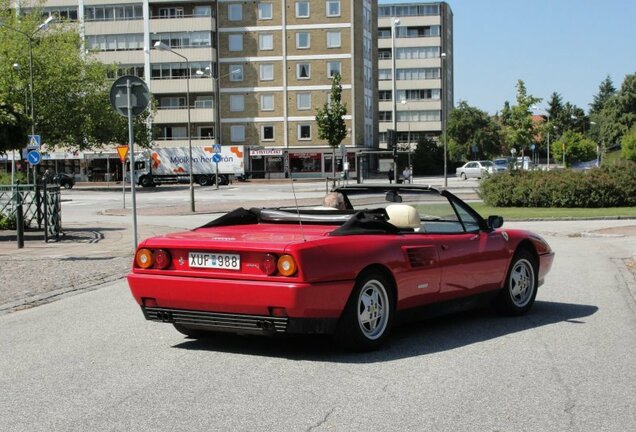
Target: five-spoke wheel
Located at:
point(521, 286)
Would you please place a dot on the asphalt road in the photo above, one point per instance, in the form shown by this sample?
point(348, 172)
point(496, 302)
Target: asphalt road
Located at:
point(90, 362)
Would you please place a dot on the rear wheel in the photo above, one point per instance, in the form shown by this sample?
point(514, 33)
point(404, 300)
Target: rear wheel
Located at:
point(68, 185)
point(521, 286)
point(205, 180)
point(366, 321)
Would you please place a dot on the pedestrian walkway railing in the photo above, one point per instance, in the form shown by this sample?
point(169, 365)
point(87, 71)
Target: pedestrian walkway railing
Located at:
point(34, 205)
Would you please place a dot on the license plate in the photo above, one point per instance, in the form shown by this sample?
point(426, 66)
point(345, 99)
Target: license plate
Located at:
point(214, 260)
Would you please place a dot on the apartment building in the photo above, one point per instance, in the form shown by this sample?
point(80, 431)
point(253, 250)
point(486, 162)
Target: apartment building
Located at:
point(253, 72)
point(415, 69)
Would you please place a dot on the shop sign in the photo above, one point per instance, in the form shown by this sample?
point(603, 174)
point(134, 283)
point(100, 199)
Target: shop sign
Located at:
point(266, 152)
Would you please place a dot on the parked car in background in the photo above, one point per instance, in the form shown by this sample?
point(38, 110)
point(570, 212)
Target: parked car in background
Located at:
point(502, 164)
point(475, 169)
point(66, 181)
point(524, 163)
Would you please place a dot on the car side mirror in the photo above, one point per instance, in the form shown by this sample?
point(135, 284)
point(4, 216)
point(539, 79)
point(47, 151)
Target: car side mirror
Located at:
point(495, 222)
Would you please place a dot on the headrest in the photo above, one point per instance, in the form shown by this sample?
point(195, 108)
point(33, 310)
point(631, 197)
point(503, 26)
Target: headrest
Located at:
point(403, 216)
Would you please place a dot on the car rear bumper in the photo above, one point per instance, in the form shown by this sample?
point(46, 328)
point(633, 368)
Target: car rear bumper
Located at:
point(240, 323)
point(226, 296)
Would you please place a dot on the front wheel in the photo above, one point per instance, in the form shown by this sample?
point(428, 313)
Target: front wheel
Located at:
point(521, 284)
point(366, 321)
point(463, 176)
point(204, 180)
point(146, 181)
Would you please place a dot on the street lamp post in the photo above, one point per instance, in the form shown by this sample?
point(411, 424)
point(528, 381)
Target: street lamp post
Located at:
point(404, 102)
point(444, 113)
point(163, 47)
point(394, 23)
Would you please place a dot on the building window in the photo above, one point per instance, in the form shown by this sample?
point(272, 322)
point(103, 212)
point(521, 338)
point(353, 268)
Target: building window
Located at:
point(236, 72)
point(264, 11)
point(385, 95)
point(267, 102)
point(200, 11)
point(169, 12)
point(204, 102)
point(235, 12)
point(266, 71)
point(303, 101)
point(206, 132)
point(385, 116)
point(235, 42)
point(333, 8)
point(384, 74)
point(303, 40)
point(237, 103)
point(267, 133)
point(237, 133)
point(304, 132)
point(333, 67)
point(303, 71)
point(302, 9)
point(266, 41)
point(333, 39)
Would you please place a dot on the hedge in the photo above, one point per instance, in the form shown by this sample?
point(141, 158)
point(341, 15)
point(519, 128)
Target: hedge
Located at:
point(609, 186)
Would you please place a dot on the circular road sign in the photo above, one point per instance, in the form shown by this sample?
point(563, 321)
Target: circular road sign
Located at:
point(139, 95)
point(216, 157)
point(34, 157)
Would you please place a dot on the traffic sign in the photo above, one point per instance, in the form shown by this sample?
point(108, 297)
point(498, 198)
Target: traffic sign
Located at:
point(35, 142)
point(216, 157)
point(139, 95)
point(216, 148)
point(34, 157)
point(122, 151)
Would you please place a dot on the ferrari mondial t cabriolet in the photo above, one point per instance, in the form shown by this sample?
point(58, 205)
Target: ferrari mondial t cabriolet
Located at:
point(395, 252)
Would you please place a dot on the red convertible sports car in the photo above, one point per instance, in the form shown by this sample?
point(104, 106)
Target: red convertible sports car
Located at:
point(396, 251)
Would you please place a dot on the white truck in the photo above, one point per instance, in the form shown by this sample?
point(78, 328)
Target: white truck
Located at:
point(172, 165)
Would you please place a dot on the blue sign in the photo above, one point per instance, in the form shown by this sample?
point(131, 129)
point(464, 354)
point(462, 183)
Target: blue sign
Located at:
point(35, 142)
point(34, 157)
point(216, 148)
point(216, 158)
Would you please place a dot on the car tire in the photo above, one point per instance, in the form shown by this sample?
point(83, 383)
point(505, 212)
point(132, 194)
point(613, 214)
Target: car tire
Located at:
point(463, 176)
point(146, 182)
point(368, 316)
point(521, 285)
point(190, 332)
point(68, 186)
point(204, 180)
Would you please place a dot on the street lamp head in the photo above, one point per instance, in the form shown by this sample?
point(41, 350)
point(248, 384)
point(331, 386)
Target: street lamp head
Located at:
point(403, 101)
point(443, 55)
point(16, 67)
point(46, 23)
point(161, 46)
point(396, 21)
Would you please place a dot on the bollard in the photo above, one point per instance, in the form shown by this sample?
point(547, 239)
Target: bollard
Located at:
point(19, 221)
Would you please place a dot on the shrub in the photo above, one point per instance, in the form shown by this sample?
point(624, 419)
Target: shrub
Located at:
point(610, 186)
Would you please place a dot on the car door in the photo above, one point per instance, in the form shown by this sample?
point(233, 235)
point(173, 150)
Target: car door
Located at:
point(472, 170)
point(472, 259)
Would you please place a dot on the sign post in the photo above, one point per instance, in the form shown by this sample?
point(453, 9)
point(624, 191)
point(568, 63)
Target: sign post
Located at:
point(216, 158)
point(122, 151)
point(129, 96)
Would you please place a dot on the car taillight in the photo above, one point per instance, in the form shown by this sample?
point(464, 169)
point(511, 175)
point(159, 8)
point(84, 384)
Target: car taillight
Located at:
point(143, 258)
point(162, 259)
point(286, 265)
point(147, 258)
point(268, 264)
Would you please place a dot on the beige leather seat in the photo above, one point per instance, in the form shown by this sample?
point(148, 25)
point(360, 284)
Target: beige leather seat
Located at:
point(403, 216)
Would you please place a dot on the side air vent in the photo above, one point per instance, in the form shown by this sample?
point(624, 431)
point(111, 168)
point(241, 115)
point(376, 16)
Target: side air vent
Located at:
point(422, 256)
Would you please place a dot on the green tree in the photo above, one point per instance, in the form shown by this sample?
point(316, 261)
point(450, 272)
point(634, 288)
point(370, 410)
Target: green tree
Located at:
point(619, 112)
point(628, 145)
point(14, 128)
point(70, 89)
point(519, 130)
point(428, 157)
point(605, 91)
point(577, 148)
point(330, 119)
point(468, 127)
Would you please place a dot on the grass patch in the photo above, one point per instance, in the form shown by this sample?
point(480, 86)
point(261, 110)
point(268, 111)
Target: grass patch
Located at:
point(512, 213)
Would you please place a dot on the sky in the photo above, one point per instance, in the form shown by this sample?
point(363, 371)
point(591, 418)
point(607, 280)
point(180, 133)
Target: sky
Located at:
point(563, 46)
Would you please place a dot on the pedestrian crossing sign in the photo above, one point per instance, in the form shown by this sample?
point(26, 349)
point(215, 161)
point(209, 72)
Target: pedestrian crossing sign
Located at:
point(35, 142)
